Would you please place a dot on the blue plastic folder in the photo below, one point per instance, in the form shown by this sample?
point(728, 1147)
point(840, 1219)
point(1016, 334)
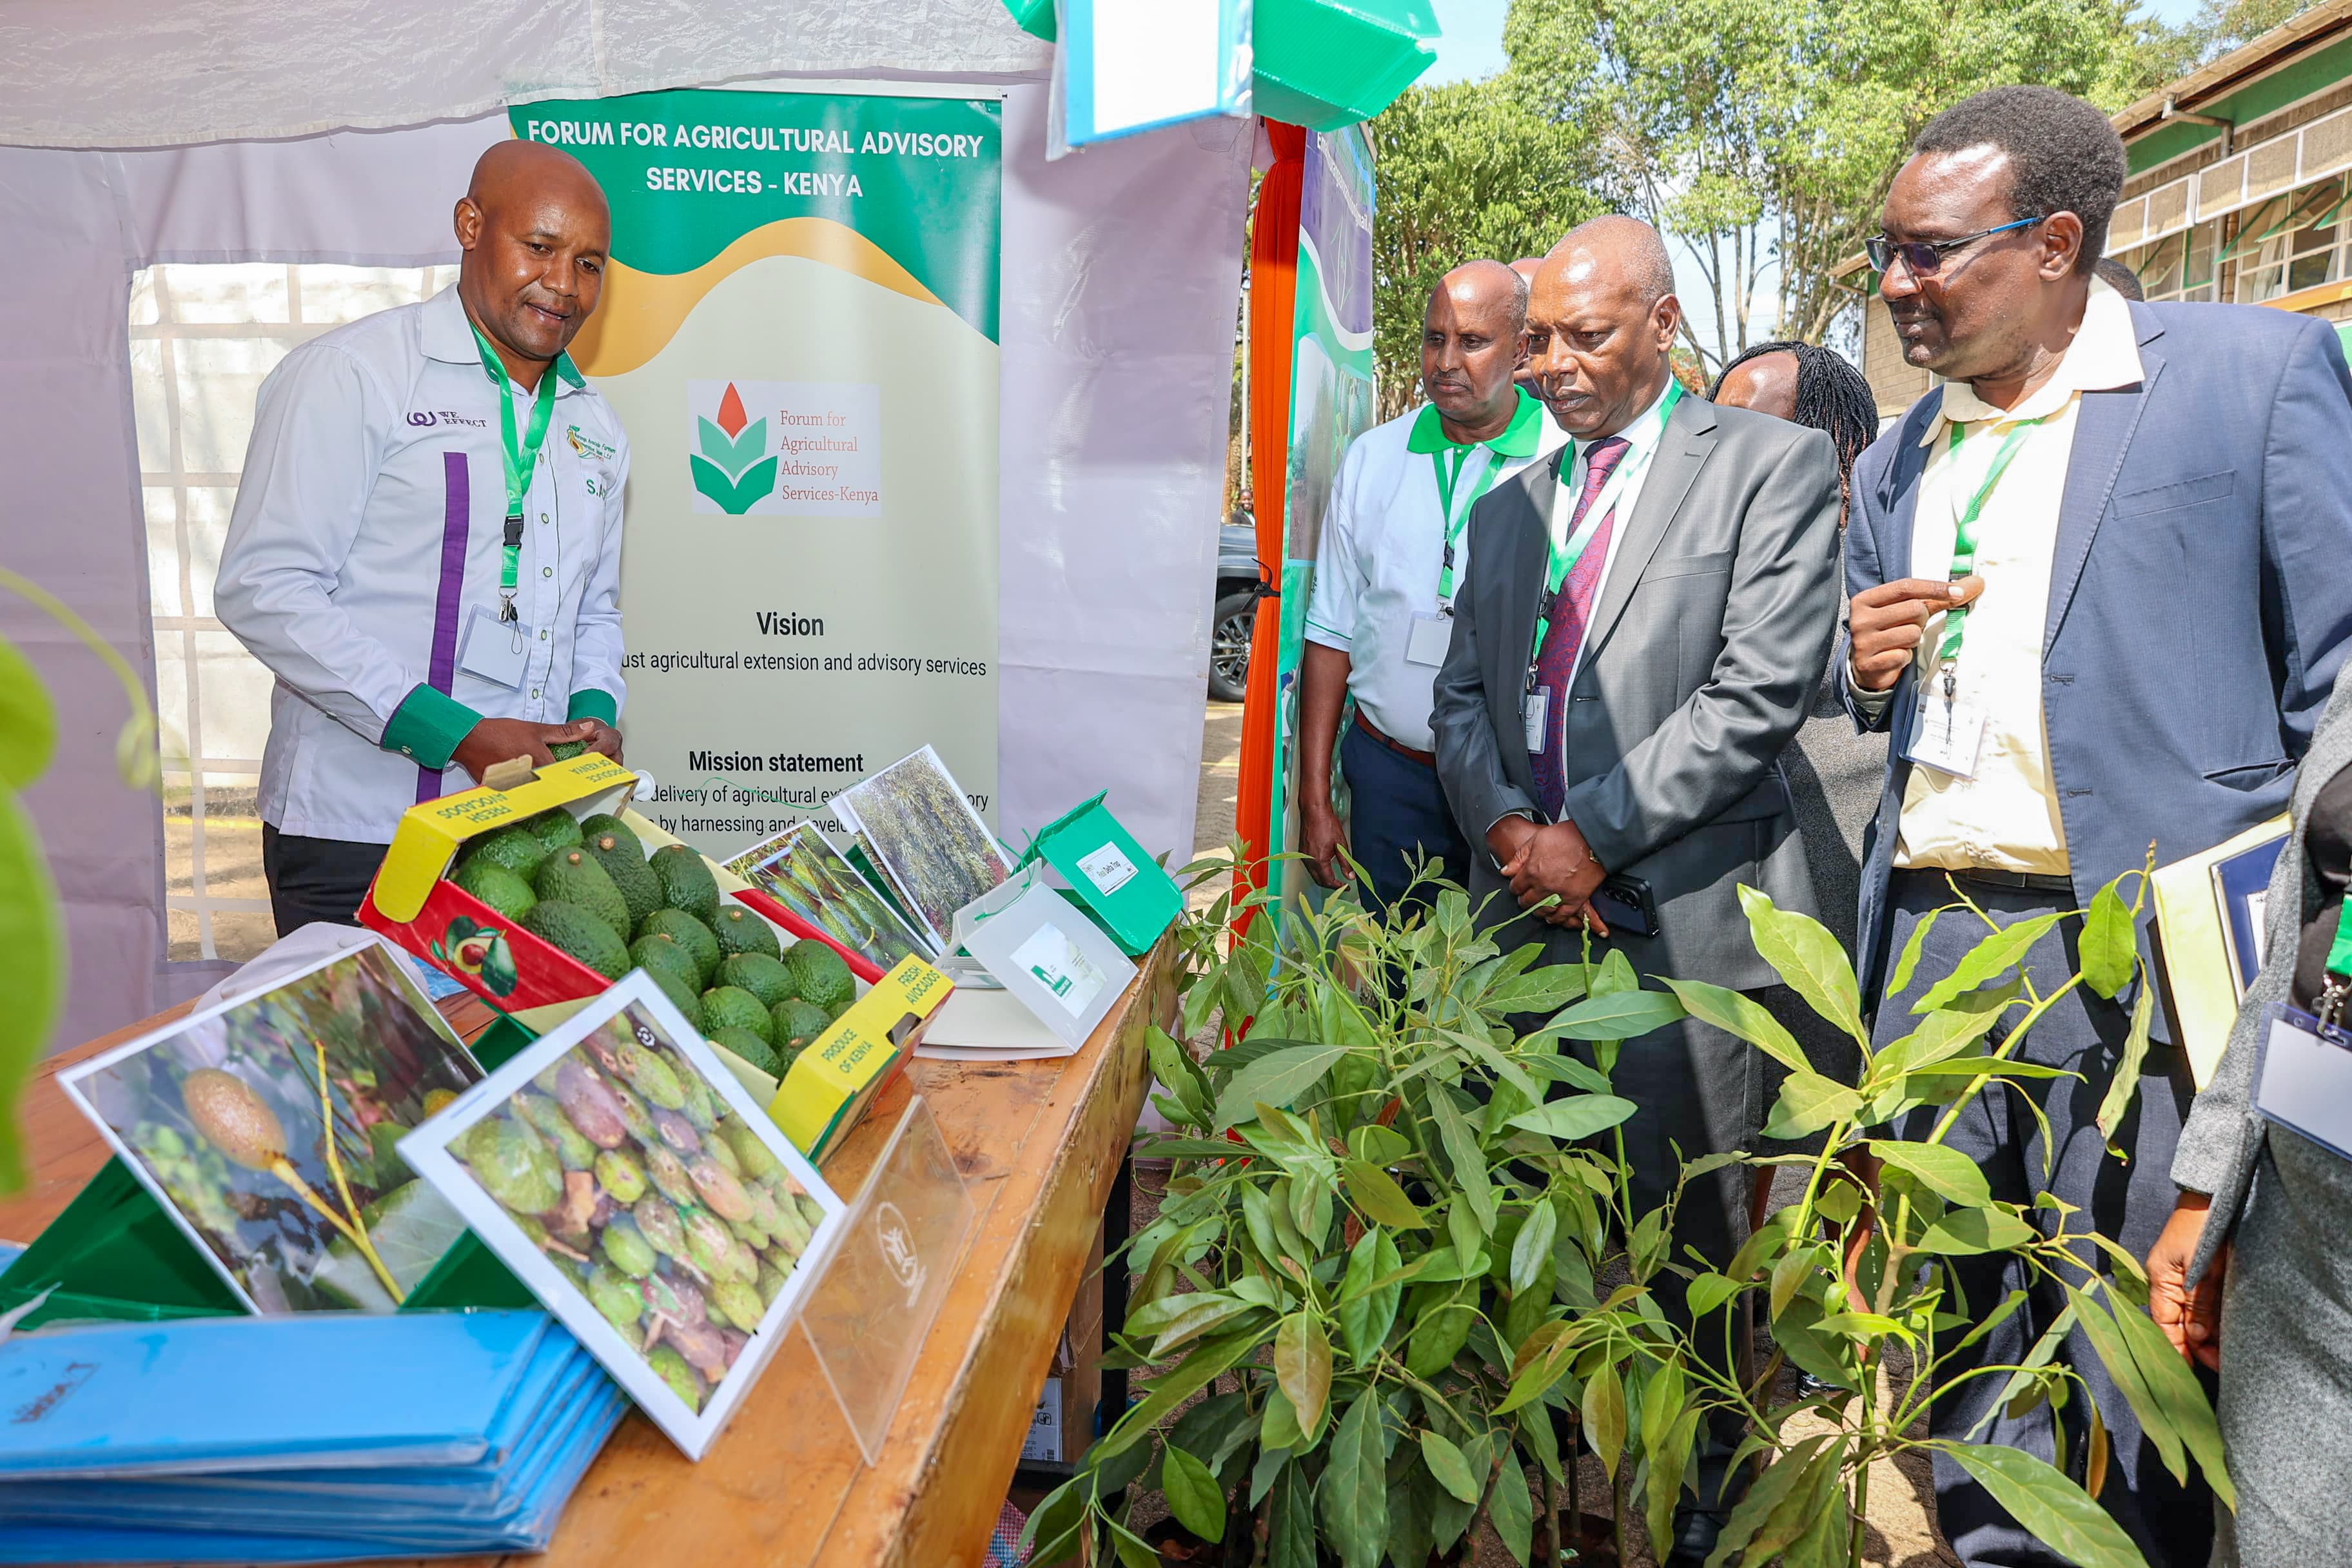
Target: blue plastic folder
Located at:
point(296, 1439)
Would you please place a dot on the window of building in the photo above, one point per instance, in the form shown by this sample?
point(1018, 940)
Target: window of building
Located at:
point(2179, 266)
point(2289, 243)
point(202, 339)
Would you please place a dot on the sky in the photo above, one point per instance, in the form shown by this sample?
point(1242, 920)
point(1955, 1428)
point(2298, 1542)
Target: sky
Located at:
point(1471, 47)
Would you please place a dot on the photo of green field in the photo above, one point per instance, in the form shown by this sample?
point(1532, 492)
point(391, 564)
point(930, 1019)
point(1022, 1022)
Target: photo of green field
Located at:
point(809, 877)
point(926, 838)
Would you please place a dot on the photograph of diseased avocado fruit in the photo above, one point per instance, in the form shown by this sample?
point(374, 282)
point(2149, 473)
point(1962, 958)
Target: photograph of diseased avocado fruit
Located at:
point(267, 1127)
point(925, 838)
point(809, 877)
point(644, 1197)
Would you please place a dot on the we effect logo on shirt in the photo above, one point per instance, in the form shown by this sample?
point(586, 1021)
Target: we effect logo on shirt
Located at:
point(424, 417)
point(813, 449)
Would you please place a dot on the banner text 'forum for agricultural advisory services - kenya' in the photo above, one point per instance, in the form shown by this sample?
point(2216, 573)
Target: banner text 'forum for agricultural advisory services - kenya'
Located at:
point(798, 329)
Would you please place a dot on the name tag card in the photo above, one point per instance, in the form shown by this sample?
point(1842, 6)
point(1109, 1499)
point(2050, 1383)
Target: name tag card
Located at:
point(1427, 641)
point(1534, 709)
point(494, 651)
point(2305, 1081)
point(1947, 736)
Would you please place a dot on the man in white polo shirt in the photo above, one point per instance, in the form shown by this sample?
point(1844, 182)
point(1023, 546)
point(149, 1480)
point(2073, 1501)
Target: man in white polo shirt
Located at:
point(1393, 550)
point(427, 546)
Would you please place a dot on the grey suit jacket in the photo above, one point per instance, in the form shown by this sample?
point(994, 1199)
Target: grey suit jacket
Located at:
point(1703, 656)
point(2223, 1137)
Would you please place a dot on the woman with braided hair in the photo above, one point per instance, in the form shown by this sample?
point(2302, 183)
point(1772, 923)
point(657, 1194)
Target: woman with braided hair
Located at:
point(1833, 775)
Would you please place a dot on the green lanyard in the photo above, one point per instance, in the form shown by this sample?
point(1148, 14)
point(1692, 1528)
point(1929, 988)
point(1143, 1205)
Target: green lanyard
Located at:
point(1456, 521)
point(2330, 1005)
point(521, 462)
point(1567, 552)
point(1964, 540)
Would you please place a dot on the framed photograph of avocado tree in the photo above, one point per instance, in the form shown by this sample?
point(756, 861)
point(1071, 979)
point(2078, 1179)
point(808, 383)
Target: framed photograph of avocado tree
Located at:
point(269, 1125)
point(800, 870)
point(644, 1198)
point(925, 838)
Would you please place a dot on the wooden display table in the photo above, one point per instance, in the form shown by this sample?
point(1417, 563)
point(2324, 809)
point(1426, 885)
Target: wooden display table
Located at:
point(1040, 1144)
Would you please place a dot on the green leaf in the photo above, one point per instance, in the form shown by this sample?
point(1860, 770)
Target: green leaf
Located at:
point(1579, 1116)
point(1192, 1494)
point(1302, 1367)
point(1803, 954)
point(1965, 1232)
point(1995, 956)
point(1617, 1015)
point(1669, 1445)
point(2162, 1390)
point(1133, 1550)
point(1539, 991)
point(1567, 1070)
point(1368, 1296)
point(411, 1228)
point(1604, 1415)
point(1462, 1147)
point(1768, 1495)
point(1353, 1496)
point(1378, 1145)
point(1707, 1292)
point(1278, 1426)
point(1900, 980)
point(32, 972)
point(1382, 1201)
point(1195, 1372)
point(1290, 1519)
point(1944, 1171)
point(2109, 946)
point(28, 725)
point(1808, 1103)
point(1740, 1016)
point(2126, 1082)
point(1193, 1316)
point(2048, 1506)
point(1446, 1462)
point(1531, 1251)
point(1275, 1079)
point(1511, 1509)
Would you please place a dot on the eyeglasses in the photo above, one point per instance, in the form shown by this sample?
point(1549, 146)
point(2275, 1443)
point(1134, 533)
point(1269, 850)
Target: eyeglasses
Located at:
point(1925, 257)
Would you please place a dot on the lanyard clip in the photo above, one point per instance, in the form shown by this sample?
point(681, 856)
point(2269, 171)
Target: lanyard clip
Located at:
point(2329, 1008)
point(507, 610)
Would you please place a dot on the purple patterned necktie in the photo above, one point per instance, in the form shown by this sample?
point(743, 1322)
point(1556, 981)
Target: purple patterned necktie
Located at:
point(1556, 660)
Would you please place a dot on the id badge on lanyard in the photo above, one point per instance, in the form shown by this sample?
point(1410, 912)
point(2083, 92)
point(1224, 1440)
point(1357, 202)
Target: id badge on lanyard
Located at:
point(2304, 1082)
point(1947, 734)
point(519, 458)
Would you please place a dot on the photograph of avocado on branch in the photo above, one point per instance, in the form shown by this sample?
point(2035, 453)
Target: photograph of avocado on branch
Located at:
point(926, 838)
point(266, 1128)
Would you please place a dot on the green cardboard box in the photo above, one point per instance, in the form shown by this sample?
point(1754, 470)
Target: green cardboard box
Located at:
point(1129, 894)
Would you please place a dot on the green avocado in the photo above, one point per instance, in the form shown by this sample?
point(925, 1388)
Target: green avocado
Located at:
point(824, 977)
point(496, 887)
point(679, 991)
point(660, 955)
point(625, 864)
point(564, 750)
point(516, 847)
point(764, 977)
point(574, 878)
point(554, 829)
point(740, 930)
point(729, 1007)
point(604, 822)
point(750, 1047)
point(799, 1023)
point(579, 935)
point(688, 933)
point(685, 881)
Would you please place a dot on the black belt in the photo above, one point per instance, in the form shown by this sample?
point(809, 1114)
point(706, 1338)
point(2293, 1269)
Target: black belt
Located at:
point(2015, 881)
point(1426, 759)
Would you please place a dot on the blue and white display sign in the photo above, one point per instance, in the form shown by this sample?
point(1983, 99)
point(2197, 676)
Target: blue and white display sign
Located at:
point(1128, 66)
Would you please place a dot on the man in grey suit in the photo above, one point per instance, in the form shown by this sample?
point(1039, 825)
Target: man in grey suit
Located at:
point(1643, 625)
point(2142, 510)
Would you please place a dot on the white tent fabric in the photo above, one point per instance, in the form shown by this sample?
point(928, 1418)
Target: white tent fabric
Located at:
point(1121, 270)
point(160, 73)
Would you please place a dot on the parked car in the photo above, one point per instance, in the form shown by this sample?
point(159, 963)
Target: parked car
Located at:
point(1235, 615)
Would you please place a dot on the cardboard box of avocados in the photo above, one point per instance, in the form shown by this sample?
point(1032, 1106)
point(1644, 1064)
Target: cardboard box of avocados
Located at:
point(499, 888)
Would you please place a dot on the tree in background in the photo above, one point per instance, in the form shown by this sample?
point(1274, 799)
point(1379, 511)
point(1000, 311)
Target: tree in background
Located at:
point(1467, 170)
point(1763, 133)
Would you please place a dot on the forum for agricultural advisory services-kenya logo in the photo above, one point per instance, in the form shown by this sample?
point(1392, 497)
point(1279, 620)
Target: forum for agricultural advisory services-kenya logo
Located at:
point(813, 448)
point(733, 467)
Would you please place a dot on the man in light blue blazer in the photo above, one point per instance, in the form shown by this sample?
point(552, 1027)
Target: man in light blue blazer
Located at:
point(2102, 582)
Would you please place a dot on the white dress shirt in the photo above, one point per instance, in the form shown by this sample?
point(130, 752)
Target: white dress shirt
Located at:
point(2006, 816)
point(1642, 438)
point(1378, 561)
point(366, 532)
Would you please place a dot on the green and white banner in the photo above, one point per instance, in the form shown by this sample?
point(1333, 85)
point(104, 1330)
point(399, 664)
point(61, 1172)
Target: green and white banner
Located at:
point(799, 332)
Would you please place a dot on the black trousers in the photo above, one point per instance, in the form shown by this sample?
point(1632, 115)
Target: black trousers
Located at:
point(1396, 810)
point(2128, 1202)
point(315, 879)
